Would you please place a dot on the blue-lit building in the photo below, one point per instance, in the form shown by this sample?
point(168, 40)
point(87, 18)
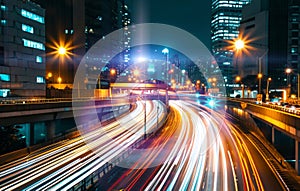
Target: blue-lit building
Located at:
point(22, 49)
point(225, 22)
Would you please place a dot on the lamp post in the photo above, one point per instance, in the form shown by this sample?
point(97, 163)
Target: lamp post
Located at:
point(136, 73)
point(112, 73)
point(288, 71)
point(49, 76)
point(239, 45)
point(259, 76)
point(165, 51)
point(239, 79)
point(61, 51)
point(268, 84)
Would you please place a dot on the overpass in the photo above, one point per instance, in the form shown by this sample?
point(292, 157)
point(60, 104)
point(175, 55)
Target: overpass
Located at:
point(278, 118)
point(138, 86)
point(48, 118)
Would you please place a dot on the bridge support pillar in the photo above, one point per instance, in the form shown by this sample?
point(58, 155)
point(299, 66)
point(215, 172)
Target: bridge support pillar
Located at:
point(50, 126)
point(273, 134)
point(297, 156)
point(31, 134)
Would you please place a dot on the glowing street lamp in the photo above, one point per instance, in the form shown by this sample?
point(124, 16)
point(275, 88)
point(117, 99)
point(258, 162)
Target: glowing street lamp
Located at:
point(268, 84)
point(59, 79)
point(62, 50)
point(288, 71)
point(113, 71)
point(49, 75)
point(259, 76)
point(239, 44)
point(238, 79)
point(165, 51)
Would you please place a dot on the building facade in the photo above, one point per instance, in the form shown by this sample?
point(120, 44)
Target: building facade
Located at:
point(22, 49)
point(79, 24)
point(254, 31)
point(225, 22)
point(293, 50)
point(272, 28)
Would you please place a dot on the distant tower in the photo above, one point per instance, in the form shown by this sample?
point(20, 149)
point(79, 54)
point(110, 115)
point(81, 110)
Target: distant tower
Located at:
point(225, 22)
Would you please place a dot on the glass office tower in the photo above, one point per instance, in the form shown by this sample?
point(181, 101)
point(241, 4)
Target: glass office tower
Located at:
point(225, 22)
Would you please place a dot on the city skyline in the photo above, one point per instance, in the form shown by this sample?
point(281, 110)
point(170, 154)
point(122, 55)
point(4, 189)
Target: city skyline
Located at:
point(150, 95)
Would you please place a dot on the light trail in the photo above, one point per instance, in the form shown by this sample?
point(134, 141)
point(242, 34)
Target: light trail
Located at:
point(65, 166)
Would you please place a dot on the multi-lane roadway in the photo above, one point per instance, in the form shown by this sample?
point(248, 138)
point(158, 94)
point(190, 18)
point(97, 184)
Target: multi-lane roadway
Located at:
point(198, 148)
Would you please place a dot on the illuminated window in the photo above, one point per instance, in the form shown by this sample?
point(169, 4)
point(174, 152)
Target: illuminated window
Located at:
point(33, 44)
point(3, 7)
point(27, 28)
point(4, 92)
point(3, 21)
point(32, 16)
point(40, 80)
point(5, 77)
point(39, 59)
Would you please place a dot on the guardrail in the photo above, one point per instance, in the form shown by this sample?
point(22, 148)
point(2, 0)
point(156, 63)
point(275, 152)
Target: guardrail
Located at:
point(294, 111)
point(13, 101)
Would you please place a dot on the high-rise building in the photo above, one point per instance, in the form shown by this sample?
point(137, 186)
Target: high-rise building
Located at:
point(22, 49)
point(271, 29)
point(225, 22)
point(254, 31)
point(293, 51)
point(78, 25)
point(102, 18)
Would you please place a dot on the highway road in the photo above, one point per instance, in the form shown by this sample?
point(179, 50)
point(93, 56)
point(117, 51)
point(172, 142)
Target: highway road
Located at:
point(63, 166)
point(198, 149)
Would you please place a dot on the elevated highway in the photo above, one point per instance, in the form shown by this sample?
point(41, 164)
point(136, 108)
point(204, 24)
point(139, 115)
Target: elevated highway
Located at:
point(277, 118)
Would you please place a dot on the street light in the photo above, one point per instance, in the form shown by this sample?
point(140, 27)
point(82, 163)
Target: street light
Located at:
point(239, 80)
point(112, 73)
point(259, 76)
point(165, 51)
point(268, 84)
point(59, 80)
point(62, 51)
point(288, 71)
point(239, 44)
point(49, 76)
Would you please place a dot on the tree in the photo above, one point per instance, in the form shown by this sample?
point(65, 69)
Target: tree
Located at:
point(11, 139)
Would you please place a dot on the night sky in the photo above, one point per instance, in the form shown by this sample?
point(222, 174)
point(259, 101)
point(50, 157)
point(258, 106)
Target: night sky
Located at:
point(190, 15)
